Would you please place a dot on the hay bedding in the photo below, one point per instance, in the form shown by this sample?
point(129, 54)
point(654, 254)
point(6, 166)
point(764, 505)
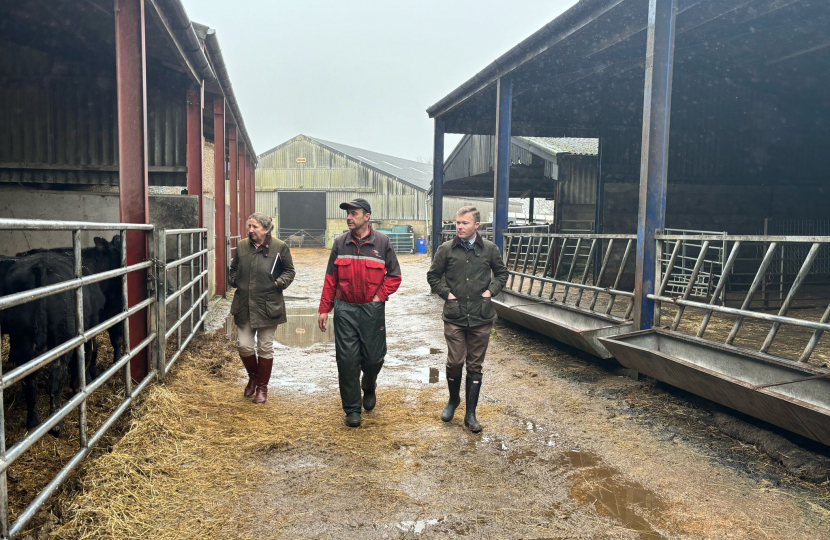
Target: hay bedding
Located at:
point(195, 454)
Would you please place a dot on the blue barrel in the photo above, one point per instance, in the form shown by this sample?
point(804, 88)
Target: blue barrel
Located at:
point(422, 245)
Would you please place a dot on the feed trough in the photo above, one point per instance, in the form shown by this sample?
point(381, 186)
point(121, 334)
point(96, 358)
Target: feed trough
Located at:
point(746, 381)
point(578, 327)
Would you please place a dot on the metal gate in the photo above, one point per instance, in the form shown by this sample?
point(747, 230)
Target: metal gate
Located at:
point(177, 283)
point(82, 335)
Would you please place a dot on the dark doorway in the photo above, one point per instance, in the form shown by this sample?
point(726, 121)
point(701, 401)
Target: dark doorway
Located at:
point(302, 218)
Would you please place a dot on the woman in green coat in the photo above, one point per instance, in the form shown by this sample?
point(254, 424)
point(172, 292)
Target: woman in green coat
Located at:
point(261, 269)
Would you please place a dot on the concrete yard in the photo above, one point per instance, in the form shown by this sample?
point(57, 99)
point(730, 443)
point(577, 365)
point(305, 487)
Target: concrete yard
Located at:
point(570, 448)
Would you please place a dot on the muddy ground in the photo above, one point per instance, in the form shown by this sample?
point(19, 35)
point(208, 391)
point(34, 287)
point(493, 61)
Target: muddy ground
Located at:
point(570, 448)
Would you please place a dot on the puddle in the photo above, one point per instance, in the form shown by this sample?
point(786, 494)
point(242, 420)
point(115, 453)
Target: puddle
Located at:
point(434, 375)
point(409, 371)
point(533, 426)
point(551, 440)
point(417, 527)
point(600, 486)
point(518, 456)
point(424, 351)
point(301, 329)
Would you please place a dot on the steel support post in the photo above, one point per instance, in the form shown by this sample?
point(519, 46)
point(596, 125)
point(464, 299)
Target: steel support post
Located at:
point(195, 146)
point(233, 166)
point(243, 188)
point(532, 203)
point(252, 184)
point(131, 92)
point(598, 206)
point(501, 188)
point(651, 215)
point(437, 183)
point(219, 187)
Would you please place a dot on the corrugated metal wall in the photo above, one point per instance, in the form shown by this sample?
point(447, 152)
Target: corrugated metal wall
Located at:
point(580, 181)
point(476, 155)
point(59, 123)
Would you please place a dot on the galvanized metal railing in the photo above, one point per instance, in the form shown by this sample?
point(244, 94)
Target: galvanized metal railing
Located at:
point(82, 335)
point(233, 242)
point(715, 303)
point(538, 262)
point(196, 313)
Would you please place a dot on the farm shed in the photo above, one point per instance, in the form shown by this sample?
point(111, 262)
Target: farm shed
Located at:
point(711, 117)
point(303, 181)
point(560, 169)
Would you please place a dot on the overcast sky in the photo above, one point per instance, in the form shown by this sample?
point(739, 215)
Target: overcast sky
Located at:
point(362, 72)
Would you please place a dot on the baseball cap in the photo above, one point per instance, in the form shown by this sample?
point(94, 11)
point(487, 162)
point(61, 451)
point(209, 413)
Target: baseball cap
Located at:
point(357, 203)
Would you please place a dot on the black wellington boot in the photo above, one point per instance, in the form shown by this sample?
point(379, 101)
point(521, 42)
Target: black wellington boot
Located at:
point(454, 386)
point(369, 384)
point(473, 390)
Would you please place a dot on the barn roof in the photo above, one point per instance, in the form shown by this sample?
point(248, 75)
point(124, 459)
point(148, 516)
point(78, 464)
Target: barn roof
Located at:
point(564, 145)
point(415, 173)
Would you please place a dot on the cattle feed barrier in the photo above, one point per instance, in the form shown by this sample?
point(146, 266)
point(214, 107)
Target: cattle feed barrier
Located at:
point(188, 320)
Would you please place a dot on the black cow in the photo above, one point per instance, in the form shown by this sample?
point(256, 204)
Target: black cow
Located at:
point(40, 325)
point(99, 258)
point(6, 263)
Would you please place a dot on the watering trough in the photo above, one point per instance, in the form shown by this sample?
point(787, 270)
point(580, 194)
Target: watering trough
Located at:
point(742, 380)
point(577, 327)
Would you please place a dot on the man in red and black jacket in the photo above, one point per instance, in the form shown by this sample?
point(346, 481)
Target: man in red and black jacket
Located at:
point(363, 272)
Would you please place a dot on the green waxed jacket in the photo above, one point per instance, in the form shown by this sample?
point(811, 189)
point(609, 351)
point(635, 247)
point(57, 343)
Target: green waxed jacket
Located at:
point(467, 274)
point(260, 275)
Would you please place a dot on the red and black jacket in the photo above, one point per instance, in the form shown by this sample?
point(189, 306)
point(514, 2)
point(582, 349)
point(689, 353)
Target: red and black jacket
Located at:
point(360, 269)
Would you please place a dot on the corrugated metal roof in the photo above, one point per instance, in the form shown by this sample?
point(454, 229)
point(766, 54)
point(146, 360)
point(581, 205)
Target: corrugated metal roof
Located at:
point(564, 145)
point(415, 173)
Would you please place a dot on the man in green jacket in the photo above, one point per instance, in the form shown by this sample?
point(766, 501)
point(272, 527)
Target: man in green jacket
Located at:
point(467, 272)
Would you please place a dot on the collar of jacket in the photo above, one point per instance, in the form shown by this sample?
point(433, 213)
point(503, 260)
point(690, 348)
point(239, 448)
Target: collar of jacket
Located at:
point(478, 241)
point(264, 246)
point(369, 238)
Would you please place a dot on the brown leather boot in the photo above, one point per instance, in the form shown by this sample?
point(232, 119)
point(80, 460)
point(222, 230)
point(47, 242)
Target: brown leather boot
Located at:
point(251, 367)
point(262, 378)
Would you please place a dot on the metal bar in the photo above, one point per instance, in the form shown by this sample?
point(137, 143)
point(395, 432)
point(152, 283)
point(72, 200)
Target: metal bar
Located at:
point(192, 289)
point(175, 357)
point(179, 322)
point(782, 383)
point(585, 236)
point(179, 286)
point(756, 283)
point(80, 353)
point(670, 267)
point(525, 263)
point(73, 463)
point(548, 261)
point(601, 274)
point(195, 100)
point(4, 486)
point(38, 362)
point(658, 278)
point(506, 253)
point(162, 303)
point(501, 168)
point(125, 305)
point(16, 299)
point(34, 435)
point(588, 261)
point(233, 152)
point(651, 215)
point(808, 350)
point(558, 266)
point(626, 294)
point(535, 265)
point(183, 260)
point(516, 260)
point(437, 183)
point(785, 307)
point(692, 279)
point(50, 225)
point(219, 165)
point(720, 289)
point(573, 265)
point(748, 238)
point(743, 313)
point(620, 272)
point(172, 232)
